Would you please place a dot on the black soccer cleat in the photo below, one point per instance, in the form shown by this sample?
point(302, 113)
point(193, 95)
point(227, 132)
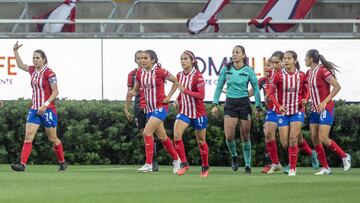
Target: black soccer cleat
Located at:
point(247, 170)
point(235, 163)
point(62, 166)
point(155, 166)
point(18, 167)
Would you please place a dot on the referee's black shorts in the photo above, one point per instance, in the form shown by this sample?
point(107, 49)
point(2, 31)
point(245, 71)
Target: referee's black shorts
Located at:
point(238, 108)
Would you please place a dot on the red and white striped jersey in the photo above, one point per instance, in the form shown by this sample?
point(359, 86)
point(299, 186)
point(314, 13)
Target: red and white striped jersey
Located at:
point(41, 89)
point(319, 87)
point(290, 89)
point(153, 84)
point(264, 83)
point(191, 101)
point(140, 98)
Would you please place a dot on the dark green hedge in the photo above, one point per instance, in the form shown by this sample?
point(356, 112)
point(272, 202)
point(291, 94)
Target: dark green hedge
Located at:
point(96, 132)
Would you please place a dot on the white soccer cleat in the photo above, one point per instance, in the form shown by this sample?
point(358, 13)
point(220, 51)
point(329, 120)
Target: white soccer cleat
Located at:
point(274, 168)
point(292, 172)
point(176, 164)
point(324, 171)
point(146, 168)
point(347, 162)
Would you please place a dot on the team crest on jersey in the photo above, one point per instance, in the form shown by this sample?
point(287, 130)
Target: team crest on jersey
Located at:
point(147, 85)
point(291, 89)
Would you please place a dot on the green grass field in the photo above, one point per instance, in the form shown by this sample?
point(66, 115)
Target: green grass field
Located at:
point(90, 184)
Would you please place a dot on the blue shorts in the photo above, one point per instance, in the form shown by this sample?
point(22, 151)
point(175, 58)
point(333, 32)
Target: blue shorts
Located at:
point(197, 123)
point(159, 113)
point(324, 118)
point(271, 116)
point(285, 120)
point(47, 120)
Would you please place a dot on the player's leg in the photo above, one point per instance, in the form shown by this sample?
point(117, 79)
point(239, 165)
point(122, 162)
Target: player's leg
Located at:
point(305, 148)
point(200, 126)
point(168, 145)
point(270, 127)
point(230, 124)
point(32, 125)
point(148, 133)
point(295, 128)
point(283, 126)
point(181, 123)
point(245, 126)
point(326, 120)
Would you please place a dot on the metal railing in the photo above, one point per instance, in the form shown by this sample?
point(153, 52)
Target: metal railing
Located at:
point(131, 11)
point(103, 22)
point(24, 12)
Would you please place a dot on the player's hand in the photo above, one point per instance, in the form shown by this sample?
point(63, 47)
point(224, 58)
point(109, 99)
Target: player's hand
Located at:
point(17, 46)
point(128, 116)
point(42, 110)
point(166, 100)
point(283, 110)
point(304, 102)
point(214, 111)
point(181, 88)
point(321, 107)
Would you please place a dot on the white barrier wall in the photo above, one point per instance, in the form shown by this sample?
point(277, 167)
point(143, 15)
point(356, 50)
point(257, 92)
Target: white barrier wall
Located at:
point(80, 63)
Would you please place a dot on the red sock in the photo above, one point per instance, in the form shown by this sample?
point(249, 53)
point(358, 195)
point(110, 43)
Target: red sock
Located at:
point(170, 148)
point(25, 152)
point(149, 148)
point(271, 148)
point(321, 155)
point(304, 147)
point(335, 148)
point(204, 152)
point(293, 156)
point(180, 149)
point(59, 153)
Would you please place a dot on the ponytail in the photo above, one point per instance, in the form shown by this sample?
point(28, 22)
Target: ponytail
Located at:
point(316, 56)
point(328, 65)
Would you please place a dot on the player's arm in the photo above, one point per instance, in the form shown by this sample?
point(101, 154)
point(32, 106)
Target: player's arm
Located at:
point(135, 90)
point(272, 88)
point(336, 88)
point(199, 93)
point(19, 61)
point(128, 105)
point(174, 86)
point(54, 94)
point(255, 85)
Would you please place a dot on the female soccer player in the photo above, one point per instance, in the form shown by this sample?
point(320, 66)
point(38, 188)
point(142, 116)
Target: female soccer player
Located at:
point(320, 77)
point(271, 117)
point(42, 111)
point(191, 111)
point(237, 75)
point(152, 78)
point(263, 83)
point(139, 106)
point(291, 95)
